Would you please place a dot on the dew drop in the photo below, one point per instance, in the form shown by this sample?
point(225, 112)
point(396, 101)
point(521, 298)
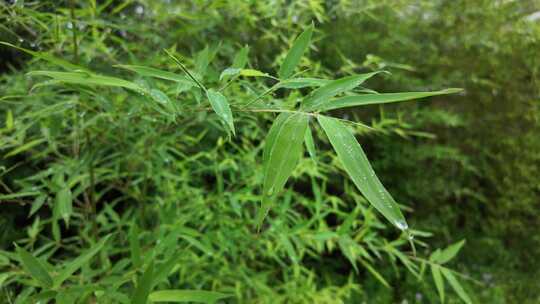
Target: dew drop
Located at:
point(139, 9)
point(401, 225)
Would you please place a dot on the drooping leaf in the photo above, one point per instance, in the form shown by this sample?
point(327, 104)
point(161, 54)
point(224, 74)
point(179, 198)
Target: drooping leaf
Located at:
point(281, 153)
point(221, 107)
point(144, 285)
point(449, 252)
point(310, 143)
point(81, 260)
point(368, 99)
point(198, 296)
point(34, 267)
point(357, 165)
point(439, 283)
point(456, 285)
point(333, 88)
point(294, 55)
point(156, 73)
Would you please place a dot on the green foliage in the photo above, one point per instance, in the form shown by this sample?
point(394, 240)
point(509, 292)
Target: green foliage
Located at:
point(121, 184)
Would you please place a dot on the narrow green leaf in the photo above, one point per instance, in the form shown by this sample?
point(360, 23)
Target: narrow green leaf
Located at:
point(368, 99)
point(435, 255)
point(17, 195)
point(455, 285)
point(156, 73)
point(439, 283)
point(221, 107)
point(310, 143)
point(203, 59)
point(289, 247)
point(239, 62)
point(450, 252)
point(47, 57)
point(86, 78)
point(281, 153)
point(77, 263)
point(357, 165)
point(253, 73)
point(134, 246)
point(34, 267)
point(199, 296)
point(37, 204)
point(346, 245)
point(375, 273)
point(241, 58)
point(25, 147)
point(297, 83)
point(228, 72)
point(144, 285)
point(333, 88)
point(64, 203)
point(9, 120)
point(294, 55)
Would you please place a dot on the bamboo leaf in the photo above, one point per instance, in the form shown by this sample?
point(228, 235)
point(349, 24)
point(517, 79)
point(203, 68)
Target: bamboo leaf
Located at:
point(199, 296)
point(368, 99)
point(86, 78)
point(298, 83)
point(144, 285)
point(294, 55)
point(241, 58)
point(439, 283)
point(81, 260)
point(281, 153)
point(34, 267)
point(156, 73)
point(228, 72)
point(9, 120)
point(253, 73)
point(456, 285)
point(221, 107)
point(321, 95)
point(64, 203)
point(134, 245)
point(25, 147)
point(310, 143)
point(47, 57)
point(357, 165)
point(375, 273)
point(450, 252)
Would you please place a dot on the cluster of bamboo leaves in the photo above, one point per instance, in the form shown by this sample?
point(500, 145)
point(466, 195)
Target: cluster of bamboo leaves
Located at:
point(283, 147)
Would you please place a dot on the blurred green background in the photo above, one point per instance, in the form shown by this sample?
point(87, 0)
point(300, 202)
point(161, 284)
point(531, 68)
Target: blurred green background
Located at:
point(465, 166)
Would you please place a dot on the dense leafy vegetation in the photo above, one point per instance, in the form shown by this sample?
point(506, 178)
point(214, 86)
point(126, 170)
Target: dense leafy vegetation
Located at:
point(222, 151)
